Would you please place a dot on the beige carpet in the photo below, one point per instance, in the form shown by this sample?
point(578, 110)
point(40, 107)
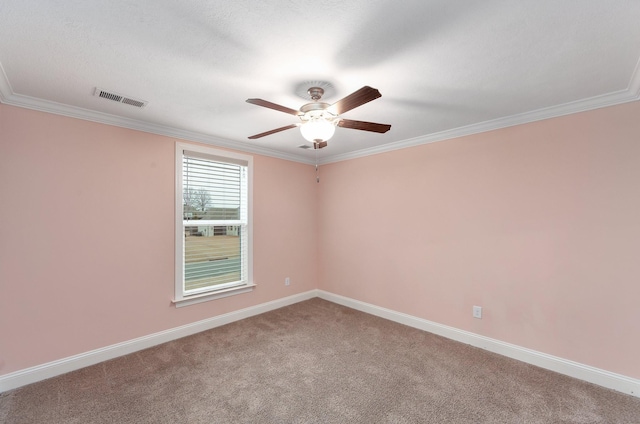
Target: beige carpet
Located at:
point(315, 362)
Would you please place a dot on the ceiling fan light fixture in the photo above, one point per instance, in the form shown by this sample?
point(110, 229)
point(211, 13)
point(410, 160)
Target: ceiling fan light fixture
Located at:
point(317, 129)
point(319, 119)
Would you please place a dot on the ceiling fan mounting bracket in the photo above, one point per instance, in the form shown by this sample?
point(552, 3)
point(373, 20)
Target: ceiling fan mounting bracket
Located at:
point(315, 93)
point(302, 90)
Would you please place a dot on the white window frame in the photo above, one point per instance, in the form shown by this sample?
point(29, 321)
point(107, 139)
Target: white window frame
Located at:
point(181, 298)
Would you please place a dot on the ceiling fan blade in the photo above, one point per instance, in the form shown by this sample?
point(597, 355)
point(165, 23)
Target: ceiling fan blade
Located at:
point(274, 106)
point(353, 100)
point(319, 144)
point(288, 127)
point(364, 126)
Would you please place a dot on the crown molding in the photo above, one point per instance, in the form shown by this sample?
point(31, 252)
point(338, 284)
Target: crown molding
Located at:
point(632, 93)
point(7, 96)
point(5, 86)
point(624, 96)
point(634, 84)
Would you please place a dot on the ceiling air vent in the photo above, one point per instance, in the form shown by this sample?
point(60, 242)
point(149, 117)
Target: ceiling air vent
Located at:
point(305, 146)
point(118, 98)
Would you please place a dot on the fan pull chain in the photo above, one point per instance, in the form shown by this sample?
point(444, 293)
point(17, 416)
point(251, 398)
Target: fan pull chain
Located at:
point(317, 175)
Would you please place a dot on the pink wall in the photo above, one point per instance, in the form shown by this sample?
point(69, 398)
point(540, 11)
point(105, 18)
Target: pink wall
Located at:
point(87, 232)
point(539, 224)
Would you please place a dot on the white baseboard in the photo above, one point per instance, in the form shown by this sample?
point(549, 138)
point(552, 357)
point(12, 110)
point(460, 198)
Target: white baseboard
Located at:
point(72, 363)
point(593, 375)
point(597, 376)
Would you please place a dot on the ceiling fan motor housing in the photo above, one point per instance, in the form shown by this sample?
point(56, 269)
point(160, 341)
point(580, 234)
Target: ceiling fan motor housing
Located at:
point(310, 108)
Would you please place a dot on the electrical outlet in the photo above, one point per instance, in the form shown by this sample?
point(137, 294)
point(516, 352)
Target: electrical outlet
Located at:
point(287, 281)
point(477, 312)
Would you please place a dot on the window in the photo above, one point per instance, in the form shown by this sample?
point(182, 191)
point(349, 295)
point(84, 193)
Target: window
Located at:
point(213, 224)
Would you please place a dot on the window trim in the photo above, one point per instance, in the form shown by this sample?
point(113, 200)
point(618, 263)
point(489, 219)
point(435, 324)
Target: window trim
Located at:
point(180, 299)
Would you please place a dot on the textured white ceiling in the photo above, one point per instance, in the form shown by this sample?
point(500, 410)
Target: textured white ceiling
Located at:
point(444, 68)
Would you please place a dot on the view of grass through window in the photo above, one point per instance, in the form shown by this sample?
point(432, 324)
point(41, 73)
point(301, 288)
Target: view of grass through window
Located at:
point(211, 258)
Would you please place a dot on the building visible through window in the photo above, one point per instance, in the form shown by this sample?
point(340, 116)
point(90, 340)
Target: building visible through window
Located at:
point(213, 253)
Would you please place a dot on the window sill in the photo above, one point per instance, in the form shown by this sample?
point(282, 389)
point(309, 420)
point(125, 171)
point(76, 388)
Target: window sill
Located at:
point(219, 294)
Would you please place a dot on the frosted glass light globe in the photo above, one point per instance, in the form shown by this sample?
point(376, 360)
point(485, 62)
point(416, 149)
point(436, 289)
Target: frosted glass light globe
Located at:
point(317, 129)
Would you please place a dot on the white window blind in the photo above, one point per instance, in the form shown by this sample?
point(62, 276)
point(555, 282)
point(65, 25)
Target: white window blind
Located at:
point(215, 223)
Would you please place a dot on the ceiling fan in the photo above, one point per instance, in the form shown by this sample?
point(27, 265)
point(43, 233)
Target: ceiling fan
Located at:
point(319, 119)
